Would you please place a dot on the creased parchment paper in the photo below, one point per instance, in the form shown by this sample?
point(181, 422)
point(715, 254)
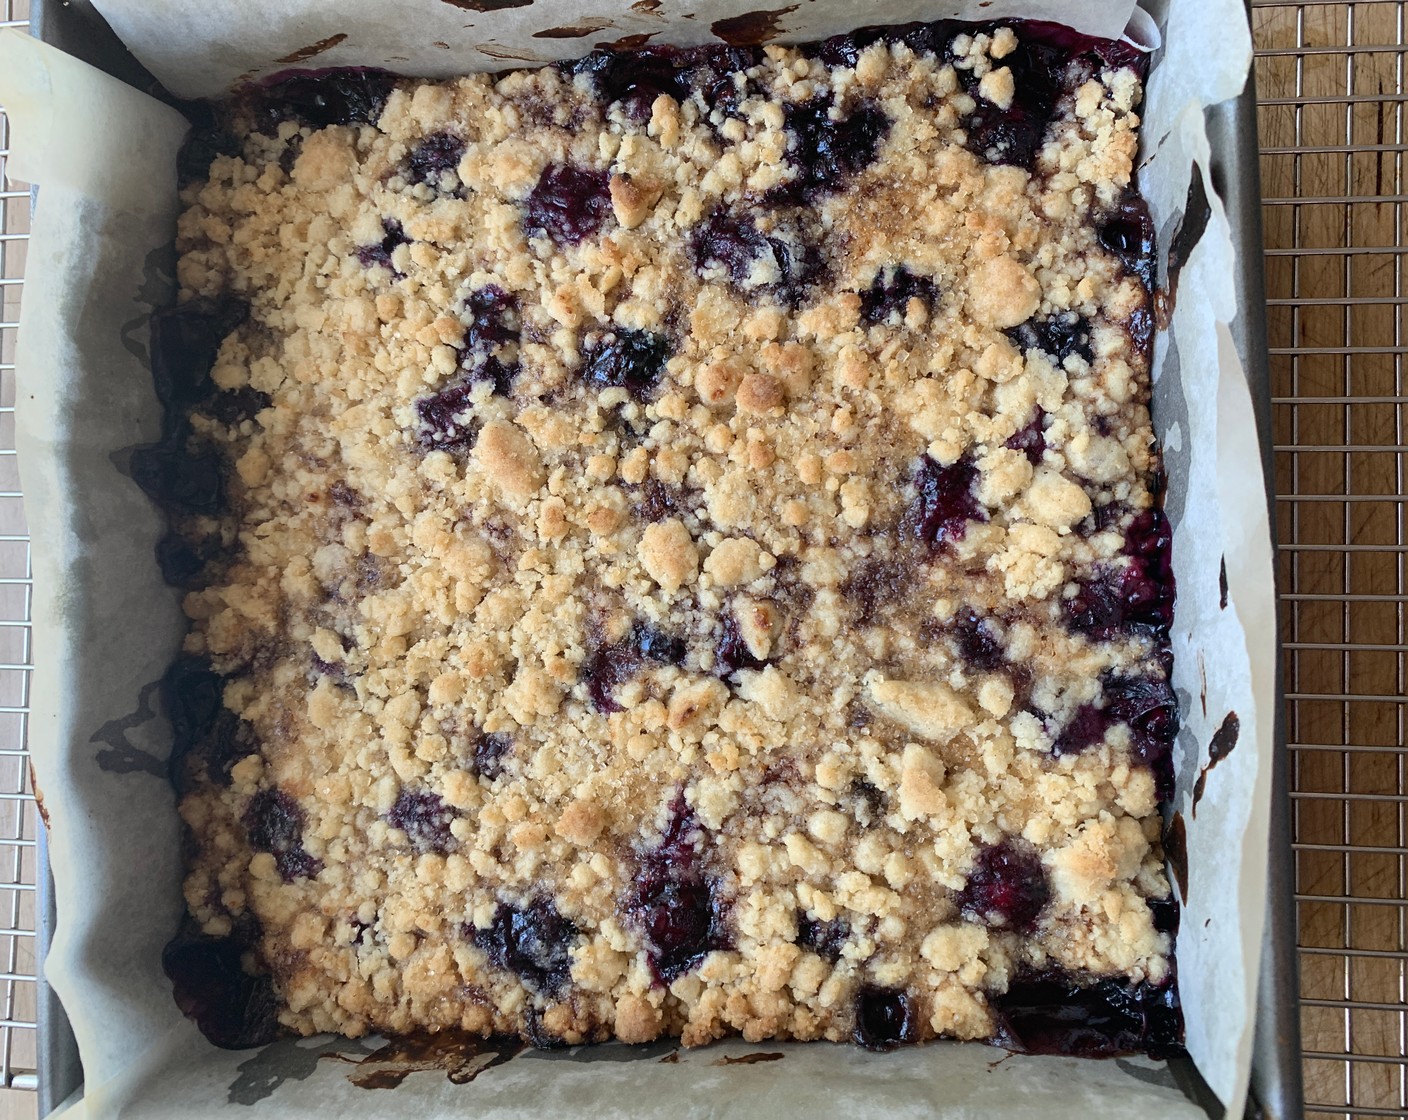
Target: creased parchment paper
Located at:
point(106, 627)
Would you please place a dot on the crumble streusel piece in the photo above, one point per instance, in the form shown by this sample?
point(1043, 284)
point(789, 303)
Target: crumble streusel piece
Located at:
point(672, 549)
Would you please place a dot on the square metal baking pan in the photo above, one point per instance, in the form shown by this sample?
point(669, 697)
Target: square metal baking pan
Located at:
point(1276, 1093)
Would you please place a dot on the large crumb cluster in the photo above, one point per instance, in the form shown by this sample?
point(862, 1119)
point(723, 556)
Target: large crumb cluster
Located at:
point(647, 554)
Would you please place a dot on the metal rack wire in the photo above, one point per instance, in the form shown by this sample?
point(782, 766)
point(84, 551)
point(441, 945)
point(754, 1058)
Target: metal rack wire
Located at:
point(1332, 90)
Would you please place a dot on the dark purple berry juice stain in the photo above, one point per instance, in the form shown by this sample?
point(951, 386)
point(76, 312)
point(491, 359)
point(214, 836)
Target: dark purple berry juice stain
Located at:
point(533, 942)
point(675, 905)
point(825, 939)
point(734, 242)
point(944, 502)
point(887, 298)
point(1135, 598)
point(627, 359)
point(978, 644)
point(321, 98)
point(274, 823)
point(568, 204)
point(493, 319)
point(731, 652)
point(825, 151)
point(885, 1018)
point(234, 1010)
point(1128, 232)
point(1147, 705)
point(393, 236)
point(185, 341)
point(425, 819)
point(488, 753)
point(1060, 336)
point(1031, 440)
point(432, 156)
point(1054, 1012)
point(610, 666)
point(205, 733)
point(183, 562)
point(445, 420)
point(1007, 888)
point(179, 480)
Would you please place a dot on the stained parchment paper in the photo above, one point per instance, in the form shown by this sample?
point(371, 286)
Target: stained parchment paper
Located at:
point(106, 627)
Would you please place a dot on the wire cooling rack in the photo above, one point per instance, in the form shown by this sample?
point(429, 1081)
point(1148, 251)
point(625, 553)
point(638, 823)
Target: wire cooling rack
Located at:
point(1331, 84)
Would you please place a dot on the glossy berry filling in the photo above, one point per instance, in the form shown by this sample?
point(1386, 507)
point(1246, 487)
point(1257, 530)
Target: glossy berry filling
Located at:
point(1007, 887)
point(610, 666)
point(1128, 232)
point(379, 254)
point(627, 359)
point(274, 823)
point(826, 148)
point(1054, 1012)
point(1031, 440)
point(734, 242)
point(488, 754)
point(183, 563)
point(185, 341)
point(425, 819)
point(321, 98)
point(1134, 598)
point(234, 1010)
point(675, 905)
point(825, 939)
point(446, 419)
point(1060, 336)
point(568, 204)
point(731, 652)
point(884, 1018)
point(533, 942)
point(433, 156)
point(944, 502)
point(180, 480)
point(887, 298)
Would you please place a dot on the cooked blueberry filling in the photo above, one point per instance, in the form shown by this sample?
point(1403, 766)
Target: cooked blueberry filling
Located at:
point(424, 818)
point(1054, 1012)
point(233, 1009)
point(978, 645)
point(488, 753)
point(825, 939)
point(181, 480)
point(627, 359)
point(787, 266)
point(1058, 335)
point(884, 1018)
point(185, 341)
point(1031, 440)
point(447, 419)
point(1007, 887)
point(319, 99)
point(675, 904)
point(533, 942)
point(1128, 232)
point(183, 563)
point(827, 146)
point(887, 298)
point(632, 80)
point(1133, 598)
point(393, 236)
point(1015, 135)
point(493, 319)
point(944, 502)
point(568, 205)
point(274, 822)
point(731, 652)
point(433, 156)
point(234, 406)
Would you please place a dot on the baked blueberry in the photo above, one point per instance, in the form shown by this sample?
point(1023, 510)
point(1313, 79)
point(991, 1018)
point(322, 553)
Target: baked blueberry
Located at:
point(568, 205)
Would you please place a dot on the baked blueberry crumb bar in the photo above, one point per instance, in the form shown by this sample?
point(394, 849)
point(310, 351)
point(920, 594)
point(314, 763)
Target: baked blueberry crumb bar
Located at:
point(672, 546)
